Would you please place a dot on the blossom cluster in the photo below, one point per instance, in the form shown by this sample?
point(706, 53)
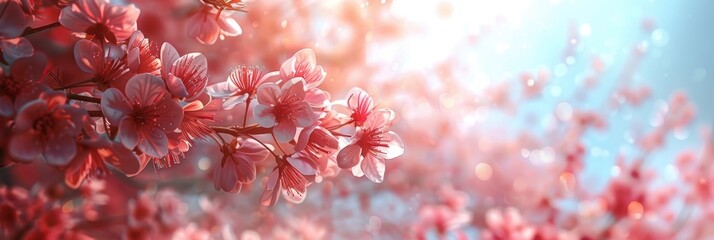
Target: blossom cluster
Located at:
point(127, 102)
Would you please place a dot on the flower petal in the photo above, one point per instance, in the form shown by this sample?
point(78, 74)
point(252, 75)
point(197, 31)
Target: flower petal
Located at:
point(373, 168)
point(222, 89)
point(146, 89)
point(78, 169)
point(272, 189)
point(268, 94)
point(231, 102)
point(114, 105)
point(24, 146)
point(303, 164)
point(128, 133)
point(253, 150)
point(349, 156)
point(264, 115)
point(168, 56)
point(202, 26)
point(60, 151)
point(88, 55)
point(153, 142)
point(395, 147)
point(15, 48)
point(245, 168)
point(284, 131)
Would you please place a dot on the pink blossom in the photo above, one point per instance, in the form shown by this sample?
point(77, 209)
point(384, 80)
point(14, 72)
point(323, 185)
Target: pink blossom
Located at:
point(107, 65)
point(284, 108)
point(238, 165)
point(140, 57)
point(93, 155)
point(25, 73)
point(47, 127)
point(507, 224)
point(360, 104)
point(210, 24)
point(317, 143)
point(144, 115)
point(15, 48)
point(100, 20)
point(241, 85)
point(371, 145)
point(303, 64)
point(194, 124)
point(289, 177)
point(185, 75)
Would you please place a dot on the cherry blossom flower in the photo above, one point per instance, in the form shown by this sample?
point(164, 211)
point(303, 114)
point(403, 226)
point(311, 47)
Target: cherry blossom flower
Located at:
point(93, 156)
point(140, 57)
point(185, 75)
point(289, 177)
point(507, 224)
point(100, 20)
point(144, 115)
point(360, 104)
point(371, 145)
point(238, 165)
point(194, 125)
point(47, 127)
point(317, 143)
point(241, 85)
point(25, 73)
point(107, 65)
point(210, 24)
point(284, 108)
point(303, 64)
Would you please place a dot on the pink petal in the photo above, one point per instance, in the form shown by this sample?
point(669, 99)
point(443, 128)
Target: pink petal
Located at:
point(231, 102)
point(380, 118)
point(203, 27)
point(176, 86)
point(304, 138)
point(253, 150)
point(124, 159)
point(264, 115)
point(114, 106)
point(228, 176)
point(191, 69)
point(356, 95)
point(284, 131)
point(128, 133)
point(6, 106)
point(78, 169)
point(169, 55)
point(60, 151)
point(153, 142)
point(25, 146)
point(28, 114)
point(146, 89)
point(373, 168)
point(317, 98)
point(15, 48)
point(294, 195)
point(88, 55)
point(349, 156)
point(272, 189)
point(304, 165)
point(30, 69)
point(268, 94)
point(295, 88)
point(222, 89)
point(395, 147)
point(12, 21)
point(271, 77)
point(245, 168)
point(122, 20)
point(303, 115)
point(229, 26)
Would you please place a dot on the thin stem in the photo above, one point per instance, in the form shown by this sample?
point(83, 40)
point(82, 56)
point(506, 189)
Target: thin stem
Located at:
point(29, 30)
point(261, 143)
point(77, 84)
point(278, 143)
point(83, 98)
point(245, 116)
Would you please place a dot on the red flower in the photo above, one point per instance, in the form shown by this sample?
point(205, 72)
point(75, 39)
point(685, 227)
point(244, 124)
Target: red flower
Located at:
point(209, 24)
point(93, 154)
point(284, 109)
point(238, 166)
point(107, 65)
point(185, 75)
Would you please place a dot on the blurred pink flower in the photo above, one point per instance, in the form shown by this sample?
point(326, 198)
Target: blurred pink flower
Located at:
point(371, 145)
point(289, 177)
point(507, 224)
point(241, 85)
point(47, 127)
point(144, 115)
point(25, 73)
point(15, 48)
point(209, 24)
point(284, 109)
point(238, 165)
point(100, 20)
point(13, 19)
point(185, 75)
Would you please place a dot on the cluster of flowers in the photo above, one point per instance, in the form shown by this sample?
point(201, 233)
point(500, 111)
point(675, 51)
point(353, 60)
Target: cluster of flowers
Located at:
point(140, 106)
